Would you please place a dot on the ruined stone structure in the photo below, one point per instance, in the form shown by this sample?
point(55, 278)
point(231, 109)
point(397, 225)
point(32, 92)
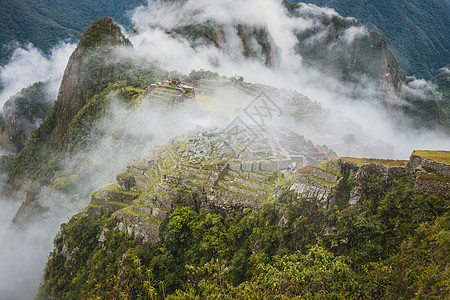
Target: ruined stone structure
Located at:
point(429, 170)
point(210, 169)
point(220, 171)
point(169, 93)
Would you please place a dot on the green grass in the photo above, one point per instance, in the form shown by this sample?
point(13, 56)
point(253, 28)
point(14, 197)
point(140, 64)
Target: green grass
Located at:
point(109, 186)
point(210, 103)
point(119, 203)
point(130, 88)
point(168, 162)
point(129, 210)
point(321, 180)
point(139, 165)
point(237, 185)
point(164, 194)
point(423, 175)
point(152, 221)
point(385, 162)
point(112, 187)
point(253, 181)
point(123, 175)
point(305, 170)
point(439, 156)
point(323, 167)
point(232, 193)
point(154, 175)
point(97, 196)
point(139, 204)
point(143, 178)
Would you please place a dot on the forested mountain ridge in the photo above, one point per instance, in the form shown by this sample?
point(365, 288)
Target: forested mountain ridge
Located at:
point(442, 81)
point(416, 31)
point(94, 71)
point(22, 114)
point(45, 23)
point(82, 102)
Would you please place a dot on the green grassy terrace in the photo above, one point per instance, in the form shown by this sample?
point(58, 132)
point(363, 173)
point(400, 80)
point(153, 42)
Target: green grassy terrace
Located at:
point(439, 156)
point(433, 177)
point(386, 162)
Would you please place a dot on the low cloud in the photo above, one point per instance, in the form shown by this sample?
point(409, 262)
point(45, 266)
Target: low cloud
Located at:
point(29, 65)
point(356, 102)
point(354, 32)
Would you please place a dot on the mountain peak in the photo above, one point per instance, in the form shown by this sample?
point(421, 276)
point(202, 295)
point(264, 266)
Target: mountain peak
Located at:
point(103, 32)
point(85, 70)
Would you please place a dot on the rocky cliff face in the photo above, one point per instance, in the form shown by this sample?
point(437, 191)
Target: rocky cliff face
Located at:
point(354, 203)
point(86, 71)
point(222, 172)
point(428, 170)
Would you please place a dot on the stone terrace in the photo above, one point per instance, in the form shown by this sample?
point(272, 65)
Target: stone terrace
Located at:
point(201, 170)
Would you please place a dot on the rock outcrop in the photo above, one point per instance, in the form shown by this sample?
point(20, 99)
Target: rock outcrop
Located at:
point(86, 70)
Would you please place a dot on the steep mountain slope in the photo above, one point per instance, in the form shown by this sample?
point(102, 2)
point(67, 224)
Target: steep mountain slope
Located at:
point(22, 114)
point(89, 134)
point(45, 23)
point(73, 125)
point(339, 47)
point(21, 23)
point(95, 72)
point(244, 228)
point(442, 81)
point(416, 31)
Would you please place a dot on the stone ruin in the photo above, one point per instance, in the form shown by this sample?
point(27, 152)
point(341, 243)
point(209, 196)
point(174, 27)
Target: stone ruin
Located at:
point(211, 169)
point(170, 93)
point(428, 170)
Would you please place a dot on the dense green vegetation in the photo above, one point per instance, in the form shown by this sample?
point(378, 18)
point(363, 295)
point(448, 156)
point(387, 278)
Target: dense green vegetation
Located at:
point(424, 108)
point(442, 81)
point(22, 114)
point(416, 31)
point(76, 123)
point(366, 55)
point(394, 243)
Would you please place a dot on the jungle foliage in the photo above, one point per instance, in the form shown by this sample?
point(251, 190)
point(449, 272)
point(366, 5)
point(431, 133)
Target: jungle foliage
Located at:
point(22, 114)
point(394, 243)
point(442, 81)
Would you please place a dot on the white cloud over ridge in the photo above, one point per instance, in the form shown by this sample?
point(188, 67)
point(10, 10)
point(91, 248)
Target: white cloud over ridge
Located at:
point(29, 65)
point(152, 42)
